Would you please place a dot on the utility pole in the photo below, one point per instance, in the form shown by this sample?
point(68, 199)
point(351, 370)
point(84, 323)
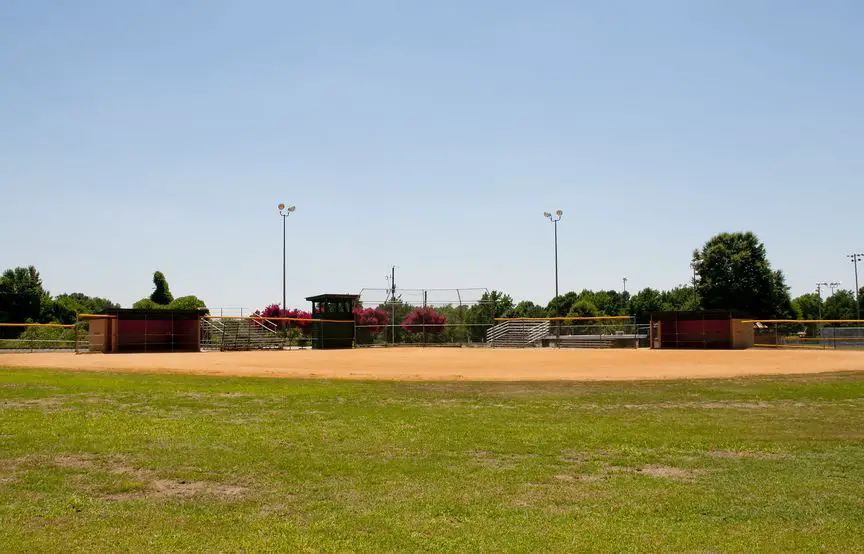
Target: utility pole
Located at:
point(855, 258)
point(393, 304)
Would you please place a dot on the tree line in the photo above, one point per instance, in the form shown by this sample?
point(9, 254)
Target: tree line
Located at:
point(23, 299)
point(731, 272)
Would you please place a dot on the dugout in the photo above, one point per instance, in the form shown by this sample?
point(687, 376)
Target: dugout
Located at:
point(131, 330)
point(707, 329)
point(333, 320)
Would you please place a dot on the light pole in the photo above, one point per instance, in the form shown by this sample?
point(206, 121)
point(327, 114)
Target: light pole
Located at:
point(284, 212)
point(555, 221)
point(833, 285)
point(819, 293)
point(855, 258)
point(625, 284)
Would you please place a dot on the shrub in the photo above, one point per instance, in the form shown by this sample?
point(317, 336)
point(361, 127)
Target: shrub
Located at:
point(371, 320)
point(424, 320)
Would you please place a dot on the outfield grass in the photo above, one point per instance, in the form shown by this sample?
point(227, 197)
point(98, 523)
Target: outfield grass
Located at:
point(132, 462)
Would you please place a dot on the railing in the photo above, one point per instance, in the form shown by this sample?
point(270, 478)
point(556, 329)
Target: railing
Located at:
point(42, 337)
point(517, 333)
point(564, 332)
point(539, 333)
point(240, 333)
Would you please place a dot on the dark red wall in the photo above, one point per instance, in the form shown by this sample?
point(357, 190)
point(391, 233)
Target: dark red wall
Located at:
point(158, 335)
point(698, 333)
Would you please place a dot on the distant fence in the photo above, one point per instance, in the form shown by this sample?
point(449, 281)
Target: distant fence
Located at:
point(43, 337)
point(827, 334)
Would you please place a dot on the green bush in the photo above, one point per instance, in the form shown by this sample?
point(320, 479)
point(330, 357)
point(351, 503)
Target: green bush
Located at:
point(42, 338)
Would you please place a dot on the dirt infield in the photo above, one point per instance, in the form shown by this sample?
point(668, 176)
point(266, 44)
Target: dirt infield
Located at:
point(479, 364)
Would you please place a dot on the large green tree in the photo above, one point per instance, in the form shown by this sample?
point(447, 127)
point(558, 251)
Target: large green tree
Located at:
point(644, 302)
point(189, 302)
point(396, 311)
point(840, 305)
point(583, 308)
point(807, 306)
point(482, 315)
point(526, 308)
point(734, 274)
point(66, 307)
point(561, 304)
point(22, 297)
point(682, 298)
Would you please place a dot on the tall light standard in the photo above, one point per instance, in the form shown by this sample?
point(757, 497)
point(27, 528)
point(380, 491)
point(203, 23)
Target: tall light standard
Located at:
point(819, 293)
point(833, 286)
point(555, 221)
point(284, 212)
point(855, 258)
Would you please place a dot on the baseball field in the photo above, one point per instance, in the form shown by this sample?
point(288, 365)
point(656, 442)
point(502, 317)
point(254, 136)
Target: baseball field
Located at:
point(433, 450)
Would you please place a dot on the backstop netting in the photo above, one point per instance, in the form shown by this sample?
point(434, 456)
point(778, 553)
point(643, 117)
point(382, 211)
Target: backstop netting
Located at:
point(423, 317)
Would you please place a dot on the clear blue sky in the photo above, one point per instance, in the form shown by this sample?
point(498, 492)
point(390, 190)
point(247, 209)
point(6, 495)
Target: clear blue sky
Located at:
point(429, 135)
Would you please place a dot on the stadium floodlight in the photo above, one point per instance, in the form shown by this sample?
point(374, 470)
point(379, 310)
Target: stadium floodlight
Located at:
point(555, 221)
point(284, 213)
point(855, 258)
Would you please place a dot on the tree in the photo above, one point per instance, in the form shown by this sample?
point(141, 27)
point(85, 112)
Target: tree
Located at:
point(607, 302)
point(560, 305)
point(491, 305)
point(369, 322)
point(189, 302)
point(66, 307)
point(526, 308)
point(147, 304)
point(682, 298)
point(583, 308)
point(162, 294)
point(424, 320)
point(397, 311)
point(22, 297)
point(734, 274)
point(644, 302)
point(300, 320)
point(840, 305)
point(481, 316)
point(861, 300)
point(457, 330)
point(807, 306)
point(372, 320)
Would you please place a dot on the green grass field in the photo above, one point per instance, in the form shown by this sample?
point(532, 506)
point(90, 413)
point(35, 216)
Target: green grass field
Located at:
point(130, 462)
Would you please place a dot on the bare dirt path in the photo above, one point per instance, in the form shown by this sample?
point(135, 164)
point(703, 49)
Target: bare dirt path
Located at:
point(475, 364)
